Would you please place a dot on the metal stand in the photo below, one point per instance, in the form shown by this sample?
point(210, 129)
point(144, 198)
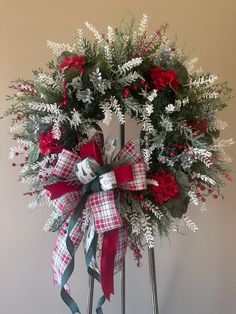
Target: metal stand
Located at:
point(90, 295)
point(122, 144)
point(153, 281)
point(151, 263)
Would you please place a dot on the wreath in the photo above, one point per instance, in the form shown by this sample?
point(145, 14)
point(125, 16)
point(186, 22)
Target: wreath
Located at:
point(115, 196)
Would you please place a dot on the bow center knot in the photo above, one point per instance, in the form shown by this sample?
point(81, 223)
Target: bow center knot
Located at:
point(95, 177)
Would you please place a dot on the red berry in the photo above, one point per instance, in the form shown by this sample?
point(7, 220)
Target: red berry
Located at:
point(25, 148)
point(16, 154)
point(210, 191)
point(13, 164)
point(126, 92)
point(198, 194)
point(202, 188)
point(186, 149)
point(172, 154)
point(164, 147)
point(26, 158)
point(143, 83)
point(22, 165)
point(215, 196)
point(40, 177)
point(203, 199)
point(180, 146)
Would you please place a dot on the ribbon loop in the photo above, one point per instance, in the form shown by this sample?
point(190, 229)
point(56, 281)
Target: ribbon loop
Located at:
point(86, 170)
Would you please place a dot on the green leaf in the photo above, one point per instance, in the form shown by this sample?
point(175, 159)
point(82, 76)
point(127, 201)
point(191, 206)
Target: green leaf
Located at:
point(179, 206)
point(181, 72)
point(33, 154)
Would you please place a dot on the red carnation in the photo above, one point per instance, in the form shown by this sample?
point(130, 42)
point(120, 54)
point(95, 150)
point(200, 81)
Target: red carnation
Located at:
point(48, 144)
point(162, 79)
point(167, 187)
point(75, 62)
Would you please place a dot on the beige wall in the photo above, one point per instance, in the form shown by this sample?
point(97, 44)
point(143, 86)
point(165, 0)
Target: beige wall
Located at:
point(196, 274)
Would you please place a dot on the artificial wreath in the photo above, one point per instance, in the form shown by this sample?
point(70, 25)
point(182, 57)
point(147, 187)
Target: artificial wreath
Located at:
point(109, 196)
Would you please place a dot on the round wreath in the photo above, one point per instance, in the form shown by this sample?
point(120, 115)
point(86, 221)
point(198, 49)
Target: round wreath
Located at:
point(118, 198)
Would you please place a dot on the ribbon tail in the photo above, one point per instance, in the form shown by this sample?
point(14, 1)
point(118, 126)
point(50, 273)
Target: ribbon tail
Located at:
point(71, 249)
point(90, 259)
point(109, 250)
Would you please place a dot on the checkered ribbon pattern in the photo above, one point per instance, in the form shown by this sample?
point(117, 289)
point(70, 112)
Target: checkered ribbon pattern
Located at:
point(102, 205)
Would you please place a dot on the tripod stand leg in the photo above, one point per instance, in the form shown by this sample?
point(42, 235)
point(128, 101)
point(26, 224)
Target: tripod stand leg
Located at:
point(123, 289)
point(153, 281)
point(90, 295)
point(122, 144)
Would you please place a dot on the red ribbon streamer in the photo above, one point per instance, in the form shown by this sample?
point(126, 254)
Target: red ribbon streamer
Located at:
point(109, 251)
point(60, 188)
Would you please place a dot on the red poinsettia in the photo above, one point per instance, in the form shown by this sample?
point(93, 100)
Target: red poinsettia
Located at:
point(167, 187)
point(163, 79)
point(75, 62)
point(48, 144)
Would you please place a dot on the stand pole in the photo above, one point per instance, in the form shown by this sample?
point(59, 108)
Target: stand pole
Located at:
point(153, 281)
point(90, 295)
point(122, 144)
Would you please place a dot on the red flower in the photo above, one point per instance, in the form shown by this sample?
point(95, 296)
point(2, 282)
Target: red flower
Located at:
point(198, 126)
point(167, 187)
point(162, 79)
point(48, 144)
point(75, 62)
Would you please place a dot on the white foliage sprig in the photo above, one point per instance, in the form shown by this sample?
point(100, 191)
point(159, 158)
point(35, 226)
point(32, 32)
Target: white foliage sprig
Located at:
point(108, 107)
point(110, 35)
point(189, 223)
point(149, 206)
point(143, 25)
point(193, 197)
point(48, 80)
point(204, 178)
point(129, 78)
point(202, 155)
point(80, 42)
point(147, 125)
point(51, 108)
point(56, 130)
point(58, 48)
point(129, 65)
point(95, 32)
point(203, 80)
point(218, 125)
point(76, 119)
point(148, 230)
point(218, 143)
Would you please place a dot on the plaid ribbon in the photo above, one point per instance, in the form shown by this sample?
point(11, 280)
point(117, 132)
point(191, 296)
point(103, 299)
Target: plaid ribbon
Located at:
point(104, 210)
point(60, 255)
point(102, 205)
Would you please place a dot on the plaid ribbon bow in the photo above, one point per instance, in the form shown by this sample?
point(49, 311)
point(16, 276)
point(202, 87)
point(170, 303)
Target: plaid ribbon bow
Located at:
point(87, 174)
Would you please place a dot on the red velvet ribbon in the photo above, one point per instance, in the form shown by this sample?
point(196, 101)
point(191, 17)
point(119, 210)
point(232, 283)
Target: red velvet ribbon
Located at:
point(124, 174)
point(109, 251)
point(91, 150)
